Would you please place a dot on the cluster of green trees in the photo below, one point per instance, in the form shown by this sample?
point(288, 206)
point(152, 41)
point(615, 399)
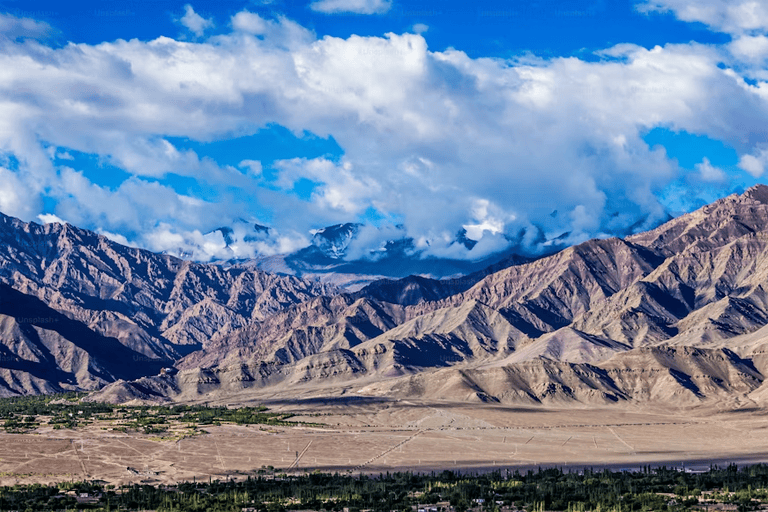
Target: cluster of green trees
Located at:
point(242, 416)
point(550, 489)
point(25, 413)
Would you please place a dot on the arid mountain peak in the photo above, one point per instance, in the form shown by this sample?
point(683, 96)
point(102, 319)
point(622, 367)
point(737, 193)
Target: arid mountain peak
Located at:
point(711, 226)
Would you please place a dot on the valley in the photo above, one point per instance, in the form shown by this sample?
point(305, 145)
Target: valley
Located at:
point(371, 436)
point(615, 353)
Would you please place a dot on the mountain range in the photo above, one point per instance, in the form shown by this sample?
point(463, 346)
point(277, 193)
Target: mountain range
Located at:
point(78, 311)
point(676, 315)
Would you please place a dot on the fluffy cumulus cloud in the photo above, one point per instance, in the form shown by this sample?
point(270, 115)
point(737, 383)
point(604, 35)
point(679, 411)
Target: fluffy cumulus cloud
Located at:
point(18, 197)
point(194, 22)
point(341, 189)
point(253, 167)
point(733, 17)
point(49, 218)
point(751, 49)
point(251, 23)
point(746, 21)
point(356, 6)
point(709, 173)
point(755, 164)
point(13, 27)
point(516, 151)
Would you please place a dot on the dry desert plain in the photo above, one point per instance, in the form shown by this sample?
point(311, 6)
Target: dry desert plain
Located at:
point(375, 435)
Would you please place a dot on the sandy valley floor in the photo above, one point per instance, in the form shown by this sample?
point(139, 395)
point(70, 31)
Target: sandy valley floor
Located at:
point(373, 436)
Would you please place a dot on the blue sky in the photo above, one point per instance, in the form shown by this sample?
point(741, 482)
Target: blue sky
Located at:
point(490, 28)
point(156, 122)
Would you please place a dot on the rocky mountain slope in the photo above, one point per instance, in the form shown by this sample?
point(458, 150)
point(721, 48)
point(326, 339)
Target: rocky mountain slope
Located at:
point(676, 313)
point(78, 311)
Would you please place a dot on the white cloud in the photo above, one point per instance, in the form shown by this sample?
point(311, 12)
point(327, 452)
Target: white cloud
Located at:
point(253, 167)
point(164, 239)
point(249, 22)
point(196, 245)
point(18, 198)
point(353, 6)
point(752, 49)
point(371, 241)
point(755, 164)
point(340, 188)
point(194, 22)
point(710, 173)
point(283, 245)
point(49, 218)
point(116, 237)
point(13, 27)
point(487, 218)
point(420, 28)
point(734, 17)
point(429, 137)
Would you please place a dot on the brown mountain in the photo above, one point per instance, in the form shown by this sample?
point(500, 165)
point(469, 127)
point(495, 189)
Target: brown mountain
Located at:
point(78, 311)
point(677, 313)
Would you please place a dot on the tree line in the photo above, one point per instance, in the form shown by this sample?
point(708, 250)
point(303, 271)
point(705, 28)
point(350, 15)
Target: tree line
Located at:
point(658, 489)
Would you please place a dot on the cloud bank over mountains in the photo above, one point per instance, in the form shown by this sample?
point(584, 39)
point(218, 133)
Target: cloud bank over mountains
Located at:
point(432, 141)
